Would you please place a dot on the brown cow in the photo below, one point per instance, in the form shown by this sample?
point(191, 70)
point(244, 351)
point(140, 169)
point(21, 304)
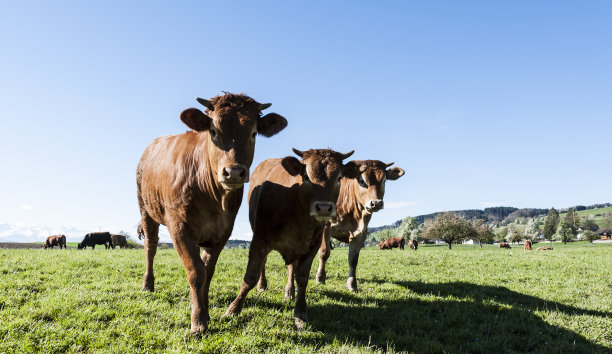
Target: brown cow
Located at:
point(503, 245)
point(413, 244)
point(193, 184)
point(391, 243)
point(359, 199)
point(289, 203)
point(527, 245)
point(118, 240)
point(544, 249)
point(55, 240)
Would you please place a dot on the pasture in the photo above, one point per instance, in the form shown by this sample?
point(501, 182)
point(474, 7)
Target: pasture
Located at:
point(433, 300)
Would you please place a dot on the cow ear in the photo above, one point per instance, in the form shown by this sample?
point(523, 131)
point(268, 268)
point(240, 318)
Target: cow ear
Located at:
point(351, 170)
point(271, 124)
point(293, 166)
point(195, 119)
point(394, 173)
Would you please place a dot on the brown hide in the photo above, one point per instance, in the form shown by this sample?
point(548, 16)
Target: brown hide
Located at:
point(289, 203)
point(544, 249)
point(193, 184)
point(527, 245)
point(55, 240)
point(394, 242)
point(503, 245)
point(413, 244)
point(119, 240)
point(359, 198)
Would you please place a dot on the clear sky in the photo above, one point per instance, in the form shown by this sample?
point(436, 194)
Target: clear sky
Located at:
point(483, 103)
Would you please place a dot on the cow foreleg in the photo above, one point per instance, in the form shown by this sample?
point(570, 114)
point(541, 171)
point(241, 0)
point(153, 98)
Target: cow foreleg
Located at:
point(189, 253)
point(151, 231)
point(290, 287)
point(324, 252)
point(257, 255)
point(302, 271)
point(353, 258)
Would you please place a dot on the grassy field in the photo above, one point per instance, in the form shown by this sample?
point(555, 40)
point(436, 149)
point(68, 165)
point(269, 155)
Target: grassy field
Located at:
point(467, 299)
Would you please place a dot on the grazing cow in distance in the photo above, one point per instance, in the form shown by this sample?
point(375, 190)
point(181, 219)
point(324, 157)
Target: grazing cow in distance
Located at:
point(289, 203)
point(359, 198)
point(413, 244)
point(503, 245)
point(55, 240)
point(96, 238)
point(527, 245)
point(391, 243)
point(119, 240)
point(544, 249)
point(193, 184)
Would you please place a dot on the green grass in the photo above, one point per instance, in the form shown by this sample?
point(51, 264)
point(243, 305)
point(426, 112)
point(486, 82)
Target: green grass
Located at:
point(434, 300)
point(600, 220)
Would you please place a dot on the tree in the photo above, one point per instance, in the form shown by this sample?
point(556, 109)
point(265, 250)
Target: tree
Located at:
point(572, 218)
point(450, 227)
point(590, 236)
point(588, 223)
point(500, 235)
point(551, 224)
point(566, 231)
point(532, 231)
point(514, 234)
point(406, 227)
point(484, 232)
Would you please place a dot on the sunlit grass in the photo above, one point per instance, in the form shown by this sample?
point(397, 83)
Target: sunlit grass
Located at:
point(433, 300)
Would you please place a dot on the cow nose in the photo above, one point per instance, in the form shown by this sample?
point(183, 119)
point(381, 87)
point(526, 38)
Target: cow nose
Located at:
point(375, 204)
point(324, 208)
point(235, 174)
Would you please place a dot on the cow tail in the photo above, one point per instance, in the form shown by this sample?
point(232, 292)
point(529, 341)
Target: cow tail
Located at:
point(140, 231)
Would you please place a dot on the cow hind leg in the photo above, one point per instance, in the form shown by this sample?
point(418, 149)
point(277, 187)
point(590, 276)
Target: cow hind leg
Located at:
point(290, 287)
point(151, 230)
point(262, 284)
point(324, 252)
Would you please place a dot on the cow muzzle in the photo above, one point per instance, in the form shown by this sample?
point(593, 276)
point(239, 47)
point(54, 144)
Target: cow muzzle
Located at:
point(234, 176)
point(374, 205)
point(323, 211)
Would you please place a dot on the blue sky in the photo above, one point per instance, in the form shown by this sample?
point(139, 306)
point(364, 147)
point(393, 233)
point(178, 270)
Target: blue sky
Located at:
point(482, 103)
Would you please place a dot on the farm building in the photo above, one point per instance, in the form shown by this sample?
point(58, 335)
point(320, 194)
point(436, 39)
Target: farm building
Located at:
point(606, 234)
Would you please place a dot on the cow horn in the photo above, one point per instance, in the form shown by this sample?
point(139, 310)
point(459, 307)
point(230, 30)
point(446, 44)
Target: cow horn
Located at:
point(389, 164)
point(205, 103)
point(344, 156)
point(298, 152)
point(263, 106)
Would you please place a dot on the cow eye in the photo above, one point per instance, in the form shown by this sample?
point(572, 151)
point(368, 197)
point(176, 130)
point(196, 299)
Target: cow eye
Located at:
point(339, 179)
point(362, 182)
point(213, 133)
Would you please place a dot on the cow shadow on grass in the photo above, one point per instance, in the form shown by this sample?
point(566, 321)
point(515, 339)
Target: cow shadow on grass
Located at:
point(451, 317)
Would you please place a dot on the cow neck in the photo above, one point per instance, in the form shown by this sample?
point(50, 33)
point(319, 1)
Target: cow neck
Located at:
point(207, 178)
point(347, 201)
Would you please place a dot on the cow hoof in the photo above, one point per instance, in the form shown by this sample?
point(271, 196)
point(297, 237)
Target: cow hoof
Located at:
point(321, 278)
point(197, 332)
point(262, 287)
point(148, 287)
point(351, 285)
point(300, 321)
point(289, 293)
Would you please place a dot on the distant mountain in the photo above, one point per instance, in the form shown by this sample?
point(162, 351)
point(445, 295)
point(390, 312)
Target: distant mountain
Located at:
point(35, 233)
point(493, 214)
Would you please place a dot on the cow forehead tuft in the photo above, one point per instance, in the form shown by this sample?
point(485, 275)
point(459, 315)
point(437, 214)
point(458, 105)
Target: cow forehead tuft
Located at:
point(230, 102)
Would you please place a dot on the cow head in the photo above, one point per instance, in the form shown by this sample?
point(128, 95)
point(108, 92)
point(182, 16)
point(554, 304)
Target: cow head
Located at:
point(369, 188)
point(80, 245)
point(231, 123)
point(321, 171)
